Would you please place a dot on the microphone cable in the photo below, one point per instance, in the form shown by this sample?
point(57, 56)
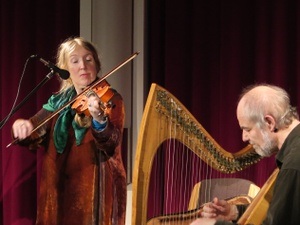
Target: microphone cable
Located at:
point(18, 92)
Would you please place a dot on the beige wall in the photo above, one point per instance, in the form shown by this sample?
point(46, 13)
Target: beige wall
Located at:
point(116, 27)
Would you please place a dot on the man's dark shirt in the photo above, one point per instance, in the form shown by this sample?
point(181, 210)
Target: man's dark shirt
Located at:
point(285, 205)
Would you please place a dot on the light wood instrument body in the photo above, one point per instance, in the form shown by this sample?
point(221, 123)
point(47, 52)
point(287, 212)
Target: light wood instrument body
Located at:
point(257, 210)
point(162, 113)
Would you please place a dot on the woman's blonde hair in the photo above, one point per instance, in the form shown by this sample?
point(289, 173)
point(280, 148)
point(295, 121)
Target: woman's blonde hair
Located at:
point(63, 53)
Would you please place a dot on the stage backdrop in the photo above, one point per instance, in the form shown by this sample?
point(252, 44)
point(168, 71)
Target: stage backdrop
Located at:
point(206, 52)
point(27, 27)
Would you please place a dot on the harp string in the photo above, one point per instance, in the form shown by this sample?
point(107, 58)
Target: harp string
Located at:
point(173, 191)
point(182, 191)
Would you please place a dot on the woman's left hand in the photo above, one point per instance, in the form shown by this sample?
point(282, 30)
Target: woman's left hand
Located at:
point(95, 110)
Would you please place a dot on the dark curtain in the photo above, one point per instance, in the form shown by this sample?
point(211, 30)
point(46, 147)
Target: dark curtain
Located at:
point(27, 27)
point(206, 52)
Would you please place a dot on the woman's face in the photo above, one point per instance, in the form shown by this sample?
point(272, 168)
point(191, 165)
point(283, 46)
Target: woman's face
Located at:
point(82, 68)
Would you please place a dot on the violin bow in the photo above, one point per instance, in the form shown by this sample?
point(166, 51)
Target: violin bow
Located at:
point(80, 94)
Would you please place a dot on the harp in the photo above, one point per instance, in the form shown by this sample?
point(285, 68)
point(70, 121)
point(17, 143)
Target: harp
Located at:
point(165, 119)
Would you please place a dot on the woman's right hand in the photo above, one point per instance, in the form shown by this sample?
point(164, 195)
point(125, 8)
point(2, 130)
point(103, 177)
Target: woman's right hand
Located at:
point(22, 128)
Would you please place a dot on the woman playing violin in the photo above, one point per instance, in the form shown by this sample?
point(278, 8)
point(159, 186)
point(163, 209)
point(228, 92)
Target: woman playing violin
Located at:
point(83, 179)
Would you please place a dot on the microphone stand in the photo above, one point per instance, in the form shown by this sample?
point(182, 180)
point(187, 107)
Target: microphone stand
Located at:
point(46, 79)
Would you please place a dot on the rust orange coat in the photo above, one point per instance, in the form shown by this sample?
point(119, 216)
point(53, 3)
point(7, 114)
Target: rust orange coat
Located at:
point(86, 184)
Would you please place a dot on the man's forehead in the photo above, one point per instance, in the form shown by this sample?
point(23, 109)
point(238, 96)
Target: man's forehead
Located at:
point(245, 122)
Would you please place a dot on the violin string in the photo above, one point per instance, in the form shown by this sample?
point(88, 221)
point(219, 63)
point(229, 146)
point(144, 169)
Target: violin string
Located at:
point(18, 92)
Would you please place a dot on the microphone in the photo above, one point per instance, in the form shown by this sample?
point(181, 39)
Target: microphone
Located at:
point(64, 74)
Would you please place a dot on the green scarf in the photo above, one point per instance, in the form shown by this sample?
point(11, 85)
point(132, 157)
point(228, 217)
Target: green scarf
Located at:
point(65, 119)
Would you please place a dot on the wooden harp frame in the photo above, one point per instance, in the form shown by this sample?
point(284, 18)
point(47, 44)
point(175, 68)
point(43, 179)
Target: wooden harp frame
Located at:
point(163, 106)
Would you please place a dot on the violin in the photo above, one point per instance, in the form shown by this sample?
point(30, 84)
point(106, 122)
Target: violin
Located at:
point(101, 87)
point(102, 91)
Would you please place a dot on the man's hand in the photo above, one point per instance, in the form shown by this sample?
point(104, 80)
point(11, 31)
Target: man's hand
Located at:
point(220, 209)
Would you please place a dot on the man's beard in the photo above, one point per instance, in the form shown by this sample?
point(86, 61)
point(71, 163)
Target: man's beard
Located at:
point(269, 147)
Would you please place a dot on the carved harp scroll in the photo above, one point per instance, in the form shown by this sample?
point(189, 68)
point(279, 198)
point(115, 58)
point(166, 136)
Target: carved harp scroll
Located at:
point(161, 108)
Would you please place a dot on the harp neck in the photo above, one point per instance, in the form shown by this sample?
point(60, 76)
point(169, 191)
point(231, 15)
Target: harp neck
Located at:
point(162, 112)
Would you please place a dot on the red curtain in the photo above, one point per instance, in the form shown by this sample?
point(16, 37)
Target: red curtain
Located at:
point(206, 52)
point(27, 27)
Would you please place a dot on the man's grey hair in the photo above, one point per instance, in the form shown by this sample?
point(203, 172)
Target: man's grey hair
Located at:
point(270, 100)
